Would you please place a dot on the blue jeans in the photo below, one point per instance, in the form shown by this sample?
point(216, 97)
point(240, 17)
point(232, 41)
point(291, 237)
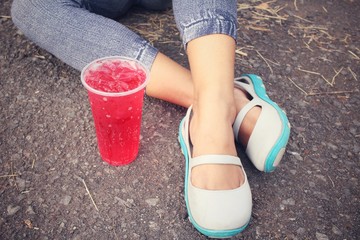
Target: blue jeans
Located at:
point(79, 31)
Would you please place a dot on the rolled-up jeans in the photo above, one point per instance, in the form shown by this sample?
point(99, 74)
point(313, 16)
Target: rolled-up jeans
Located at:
point(79, 31)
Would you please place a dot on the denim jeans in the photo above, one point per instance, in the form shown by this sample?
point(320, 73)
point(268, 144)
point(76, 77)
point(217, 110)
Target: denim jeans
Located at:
point(79, 31)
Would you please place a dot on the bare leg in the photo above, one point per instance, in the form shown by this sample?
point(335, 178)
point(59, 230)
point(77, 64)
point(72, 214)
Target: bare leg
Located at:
point(173, 83)
point(211, 81)
point(212, 60)
point(170, 81)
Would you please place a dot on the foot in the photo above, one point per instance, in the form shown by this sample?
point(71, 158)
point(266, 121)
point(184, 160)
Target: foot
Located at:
point(211, 133)
point(269, 132)
point(247, 126)
point(227, 212)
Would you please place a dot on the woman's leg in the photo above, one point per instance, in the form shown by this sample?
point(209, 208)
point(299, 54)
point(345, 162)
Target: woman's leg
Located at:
point(214, 109)
point(208, 29)
point(75, 35)
point(74, 32)
point(68, 30)
point(173, 83)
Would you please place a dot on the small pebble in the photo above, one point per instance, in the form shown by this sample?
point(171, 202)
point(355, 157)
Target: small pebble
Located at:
point(153, 225)
point(11, 210)
point(298, 157)
point(332, 146)
point(321, 236)
point(289, 201)
point(300, 231)
point(258, 231)
point(336, 230)
point(30, 210)
point(152, 201)
point(65, 200)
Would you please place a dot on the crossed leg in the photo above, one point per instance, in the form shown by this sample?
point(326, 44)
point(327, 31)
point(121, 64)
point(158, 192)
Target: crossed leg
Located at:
point(209, 88)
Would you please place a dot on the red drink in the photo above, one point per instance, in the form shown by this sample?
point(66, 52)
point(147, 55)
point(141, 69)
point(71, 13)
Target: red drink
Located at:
point(116, 89)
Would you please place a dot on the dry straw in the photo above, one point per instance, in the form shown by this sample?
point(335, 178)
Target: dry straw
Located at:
point(88, 192)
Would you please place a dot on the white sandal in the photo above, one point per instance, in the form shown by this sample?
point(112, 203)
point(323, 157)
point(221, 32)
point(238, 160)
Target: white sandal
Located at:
point(266, 145)
point(214, 213)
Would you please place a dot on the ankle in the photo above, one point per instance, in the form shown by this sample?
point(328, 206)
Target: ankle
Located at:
point(241, 99)
point(219, 105)
point(211, 131)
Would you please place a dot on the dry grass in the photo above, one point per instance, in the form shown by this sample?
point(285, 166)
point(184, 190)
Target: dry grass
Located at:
point(154, 28)
point(88, 192)
point(8, 175)
point(261, 14)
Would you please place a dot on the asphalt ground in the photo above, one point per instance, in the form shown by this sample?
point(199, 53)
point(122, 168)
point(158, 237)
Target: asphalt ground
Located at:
point(53, 184)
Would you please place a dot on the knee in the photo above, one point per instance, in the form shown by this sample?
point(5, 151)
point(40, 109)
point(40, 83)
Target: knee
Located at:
point(22, 10)
point(17, 10)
